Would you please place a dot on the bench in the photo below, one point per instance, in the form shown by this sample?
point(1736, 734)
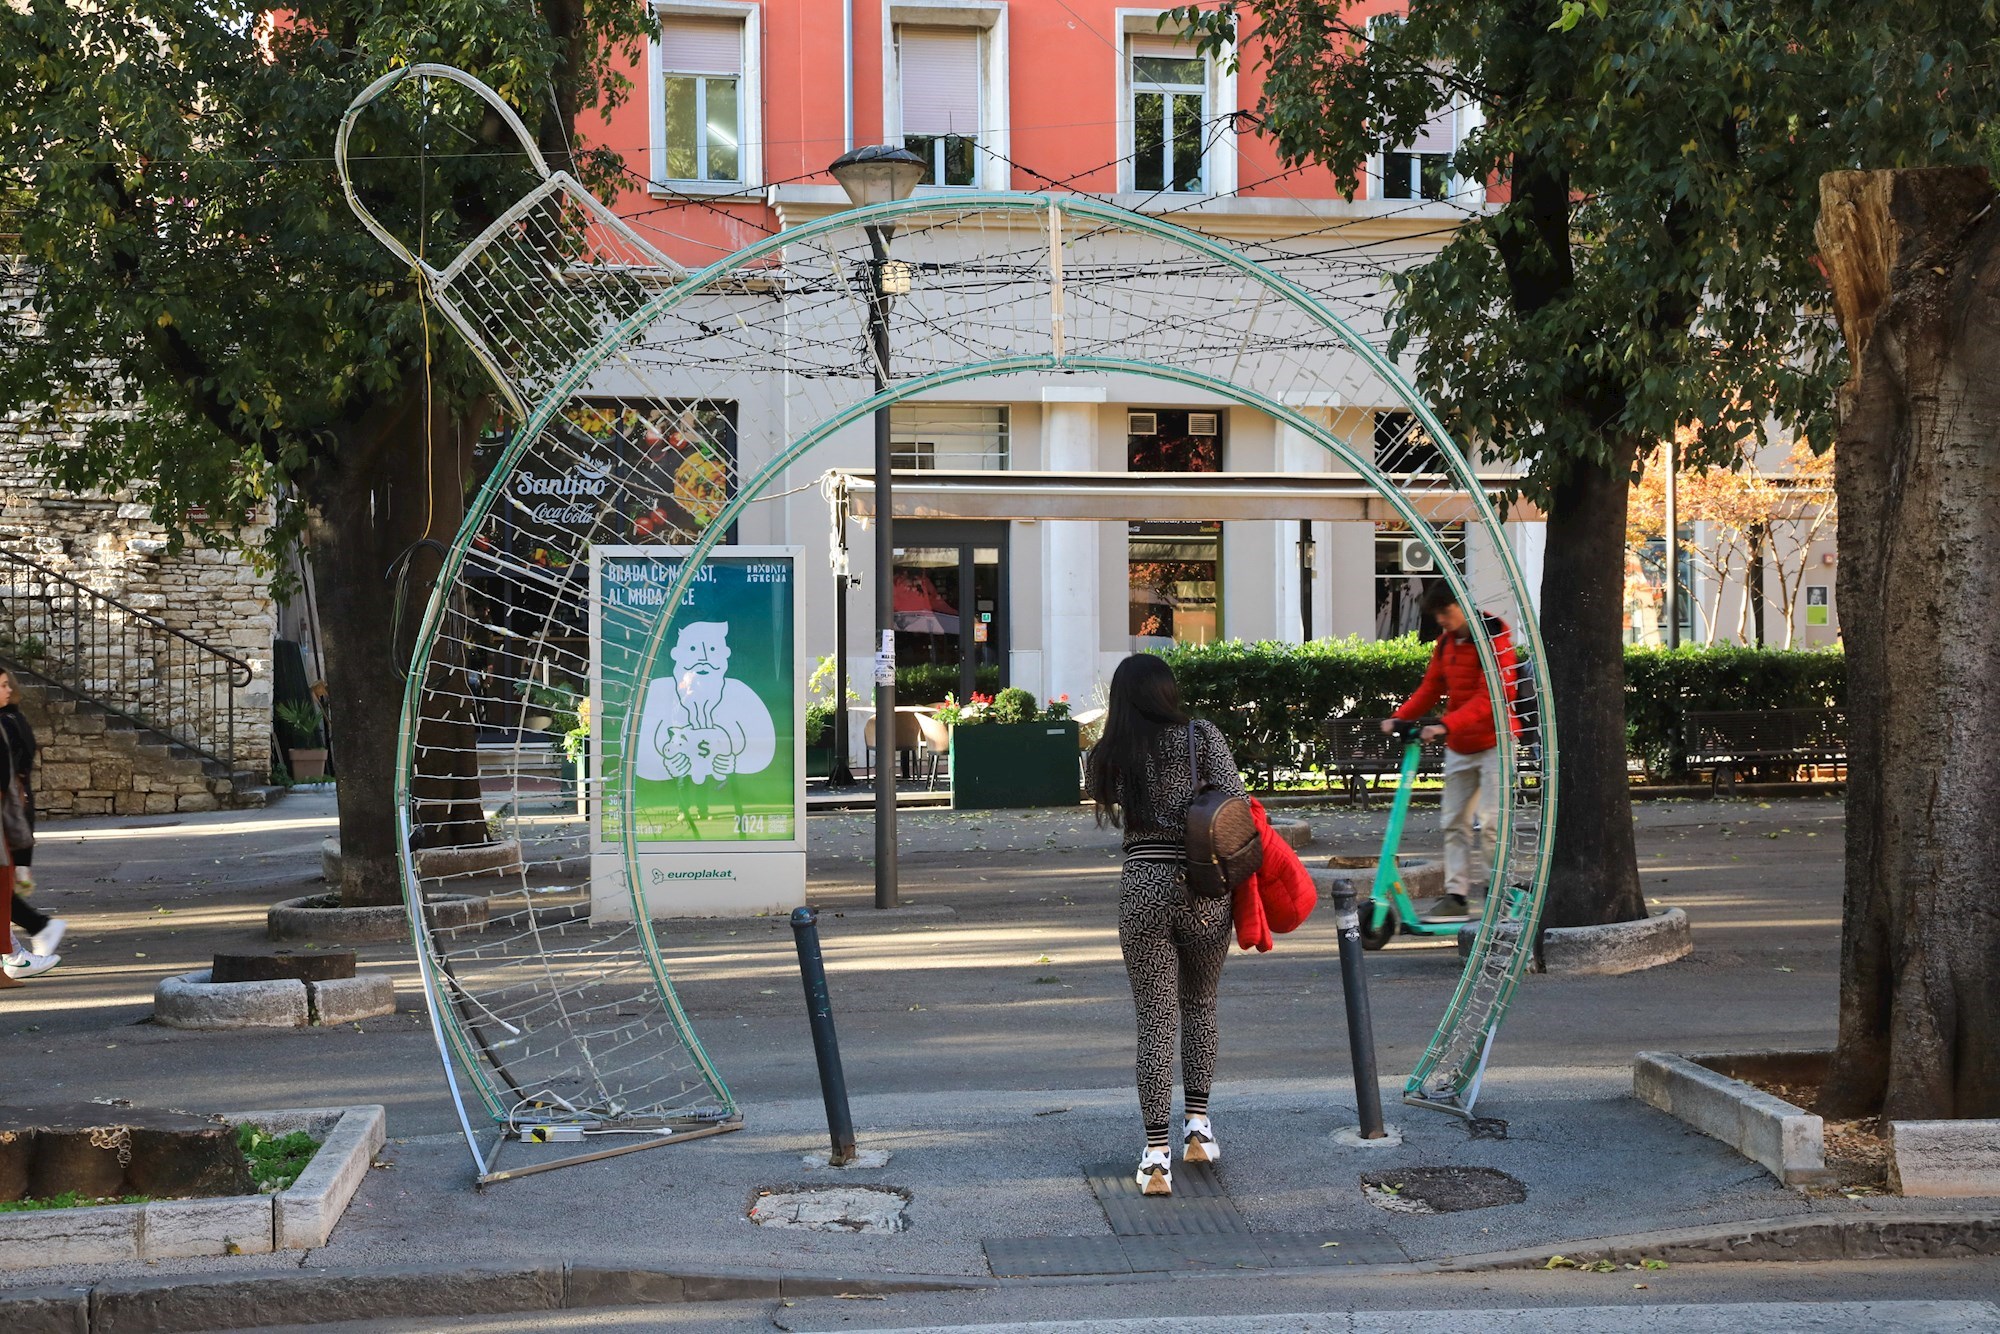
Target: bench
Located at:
point(1359, 751)
point(1726, 739)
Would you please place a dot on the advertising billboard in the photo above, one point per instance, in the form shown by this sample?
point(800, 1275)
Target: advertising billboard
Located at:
point(716, 769)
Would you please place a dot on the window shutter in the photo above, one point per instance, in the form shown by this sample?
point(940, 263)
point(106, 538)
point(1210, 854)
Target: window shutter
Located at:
point(940, 69)
point(1438, 134)
point(1166, 47)
point(700, 46)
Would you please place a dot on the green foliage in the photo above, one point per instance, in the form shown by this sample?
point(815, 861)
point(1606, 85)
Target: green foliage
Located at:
point(1272, 701)
point(299, 723)
point(930, 682)
point(819, 722)
point(1013, 705)
point(167, 164)
point(275, 1160)
point(69, 1199)
point(1649, 269)
point(1661, 683)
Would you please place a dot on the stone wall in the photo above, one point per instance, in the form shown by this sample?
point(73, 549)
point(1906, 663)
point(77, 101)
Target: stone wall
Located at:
point(108, 543)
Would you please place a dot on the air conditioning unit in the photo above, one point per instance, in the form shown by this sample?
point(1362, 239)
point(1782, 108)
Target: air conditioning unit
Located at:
point(1417, 558)
point(1202, 423)
point(1142, 423)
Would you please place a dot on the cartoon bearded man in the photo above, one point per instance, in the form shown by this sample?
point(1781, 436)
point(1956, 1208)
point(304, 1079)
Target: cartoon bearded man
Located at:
point(700, 724)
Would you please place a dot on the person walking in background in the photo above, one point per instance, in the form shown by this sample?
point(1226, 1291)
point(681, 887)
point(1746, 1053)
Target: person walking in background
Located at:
point(1471, 802)
point(1142, 779)
point(17, 751)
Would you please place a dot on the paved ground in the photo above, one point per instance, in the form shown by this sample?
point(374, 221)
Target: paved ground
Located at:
point(1750, 1299)
point(989, 1048)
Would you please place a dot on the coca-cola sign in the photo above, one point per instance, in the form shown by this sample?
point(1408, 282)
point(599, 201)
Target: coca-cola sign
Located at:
point(569, 499)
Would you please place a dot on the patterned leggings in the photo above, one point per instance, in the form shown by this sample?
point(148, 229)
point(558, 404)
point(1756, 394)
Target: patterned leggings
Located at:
point(1174, 950)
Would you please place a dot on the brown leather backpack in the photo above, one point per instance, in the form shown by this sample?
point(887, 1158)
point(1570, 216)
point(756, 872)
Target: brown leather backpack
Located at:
point(1223, 846)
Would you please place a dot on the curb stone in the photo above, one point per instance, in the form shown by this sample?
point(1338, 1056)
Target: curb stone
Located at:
point(189, 1303)
point(184, 1304)
point(1902, 1235)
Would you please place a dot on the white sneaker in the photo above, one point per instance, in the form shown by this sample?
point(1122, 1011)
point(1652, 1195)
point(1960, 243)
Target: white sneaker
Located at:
point(45, 940)
point(28, 965)
point(1156, 1172)
point(1198, 1142)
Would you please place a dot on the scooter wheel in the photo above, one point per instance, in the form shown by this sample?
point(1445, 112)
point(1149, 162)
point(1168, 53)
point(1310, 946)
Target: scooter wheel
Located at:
point(1377, 929)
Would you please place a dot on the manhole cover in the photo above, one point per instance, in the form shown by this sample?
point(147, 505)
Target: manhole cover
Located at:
point(855, 1209)
point(1440, 1190)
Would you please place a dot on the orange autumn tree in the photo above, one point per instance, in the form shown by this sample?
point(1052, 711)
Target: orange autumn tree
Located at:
point(1747, 512)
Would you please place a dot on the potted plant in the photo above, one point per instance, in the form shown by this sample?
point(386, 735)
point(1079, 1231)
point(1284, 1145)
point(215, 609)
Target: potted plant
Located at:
point(299, 733)
point(1009, 751)
point(821, 713)
point(576, 754)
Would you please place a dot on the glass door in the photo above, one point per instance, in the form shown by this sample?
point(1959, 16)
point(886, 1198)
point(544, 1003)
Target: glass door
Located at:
point(951, 599)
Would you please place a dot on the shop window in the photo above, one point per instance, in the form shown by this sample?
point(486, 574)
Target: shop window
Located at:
point(1403, 568)
point(955, 438)
point(1404, 448)
point(1176, 580)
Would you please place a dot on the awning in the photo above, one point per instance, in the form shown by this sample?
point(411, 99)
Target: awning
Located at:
point(1152, 497)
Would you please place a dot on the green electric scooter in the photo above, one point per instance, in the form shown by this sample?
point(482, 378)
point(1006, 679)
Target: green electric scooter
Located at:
point(1388, 909)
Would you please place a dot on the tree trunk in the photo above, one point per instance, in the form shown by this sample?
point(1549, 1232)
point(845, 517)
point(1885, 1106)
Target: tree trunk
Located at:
point(1914, 258)
point(1594, 878)
point(372, 506)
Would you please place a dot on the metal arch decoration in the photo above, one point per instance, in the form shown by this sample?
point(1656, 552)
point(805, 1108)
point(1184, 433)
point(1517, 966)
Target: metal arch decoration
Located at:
point(567, 307)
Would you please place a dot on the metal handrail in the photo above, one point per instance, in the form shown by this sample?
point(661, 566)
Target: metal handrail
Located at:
point(122, 659)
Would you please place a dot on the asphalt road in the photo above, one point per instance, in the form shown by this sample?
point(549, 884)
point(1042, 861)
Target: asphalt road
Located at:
point(1018, 985)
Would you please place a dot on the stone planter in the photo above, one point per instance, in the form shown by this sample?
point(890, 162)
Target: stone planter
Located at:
point(196, 1001)
point(306, 762)
point(320, 917)
point(1704, 1091)
point(1422, 877)
point(299, 1218)
point(1009, 765)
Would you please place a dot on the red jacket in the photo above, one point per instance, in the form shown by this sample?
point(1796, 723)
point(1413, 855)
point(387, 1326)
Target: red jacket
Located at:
point(1279, 897)
point(1455, 675)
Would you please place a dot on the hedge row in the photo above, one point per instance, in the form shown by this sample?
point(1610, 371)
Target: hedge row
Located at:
point(1273, 699)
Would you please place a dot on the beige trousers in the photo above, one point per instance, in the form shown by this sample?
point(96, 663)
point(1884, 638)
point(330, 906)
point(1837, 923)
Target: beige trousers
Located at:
point(1469, 810)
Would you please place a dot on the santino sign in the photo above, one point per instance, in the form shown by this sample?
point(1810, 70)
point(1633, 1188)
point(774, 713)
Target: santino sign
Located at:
point(715, 772)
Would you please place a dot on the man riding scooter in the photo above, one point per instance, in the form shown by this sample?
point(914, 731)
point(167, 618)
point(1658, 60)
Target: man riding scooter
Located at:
point(1471, 801)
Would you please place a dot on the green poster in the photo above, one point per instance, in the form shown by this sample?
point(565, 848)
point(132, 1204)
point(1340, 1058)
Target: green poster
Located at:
point(715, 755)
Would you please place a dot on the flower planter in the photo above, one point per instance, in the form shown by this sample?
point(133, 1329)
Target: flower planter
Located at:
point(1002, 765)
point(306, 762)
point(819, 761)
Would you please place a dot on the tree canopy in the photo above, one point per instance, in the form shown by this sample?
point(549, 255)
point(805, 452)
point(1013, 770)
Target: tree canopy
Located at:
point(1646, 267)
point(188, 260)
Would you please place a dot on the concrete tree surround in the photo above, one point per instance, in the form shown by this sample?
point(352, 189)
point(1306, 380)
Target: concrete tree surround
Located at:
point(299, 1218)
point(1927, 1159)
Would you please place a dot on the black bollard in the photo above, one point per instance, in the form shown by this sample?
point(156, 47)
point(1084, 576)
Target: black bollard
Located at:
point(826, 1047)
point(1360, 1029)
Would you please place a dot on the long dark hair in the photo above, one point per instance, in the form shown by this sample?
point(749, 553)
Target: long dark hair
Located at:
point(1145, 702)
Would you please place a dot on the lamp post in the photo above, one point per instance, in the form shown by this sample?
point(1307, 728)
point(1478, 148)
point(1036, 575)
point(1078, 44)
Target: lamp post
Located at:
point(880, 174)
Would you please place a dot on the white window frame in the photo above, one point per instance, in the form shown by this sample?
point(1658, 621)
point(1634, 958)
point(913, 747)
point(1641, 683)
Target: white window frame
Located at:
point(749, 98)
point(1465, 118)
point(1220, 169)
point(992, 171)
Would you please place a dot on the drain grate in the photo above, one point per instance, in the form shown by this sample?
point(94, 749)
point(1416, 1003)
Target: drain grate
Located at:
point(1198, 1207)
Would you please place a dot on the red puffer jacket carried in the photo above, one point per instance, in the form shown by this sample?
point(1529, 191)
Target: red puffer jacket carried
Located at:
point(1279, 897)
point(1455, 674)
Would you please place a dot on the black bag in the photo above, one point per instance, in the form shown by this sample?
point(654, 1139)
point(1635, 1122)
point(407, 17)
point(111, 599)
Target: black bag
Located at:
point(15, 828)
point(1223, 846)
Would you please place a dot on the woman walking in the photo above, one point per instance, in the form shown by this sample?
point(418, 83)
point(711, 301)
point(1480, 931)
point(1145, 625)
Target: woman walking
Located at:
point(17, 762)
point(1142, 778)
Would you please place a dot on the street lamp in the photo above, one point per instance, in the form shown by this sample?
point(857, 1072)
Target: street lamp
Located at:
point(881, 174)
